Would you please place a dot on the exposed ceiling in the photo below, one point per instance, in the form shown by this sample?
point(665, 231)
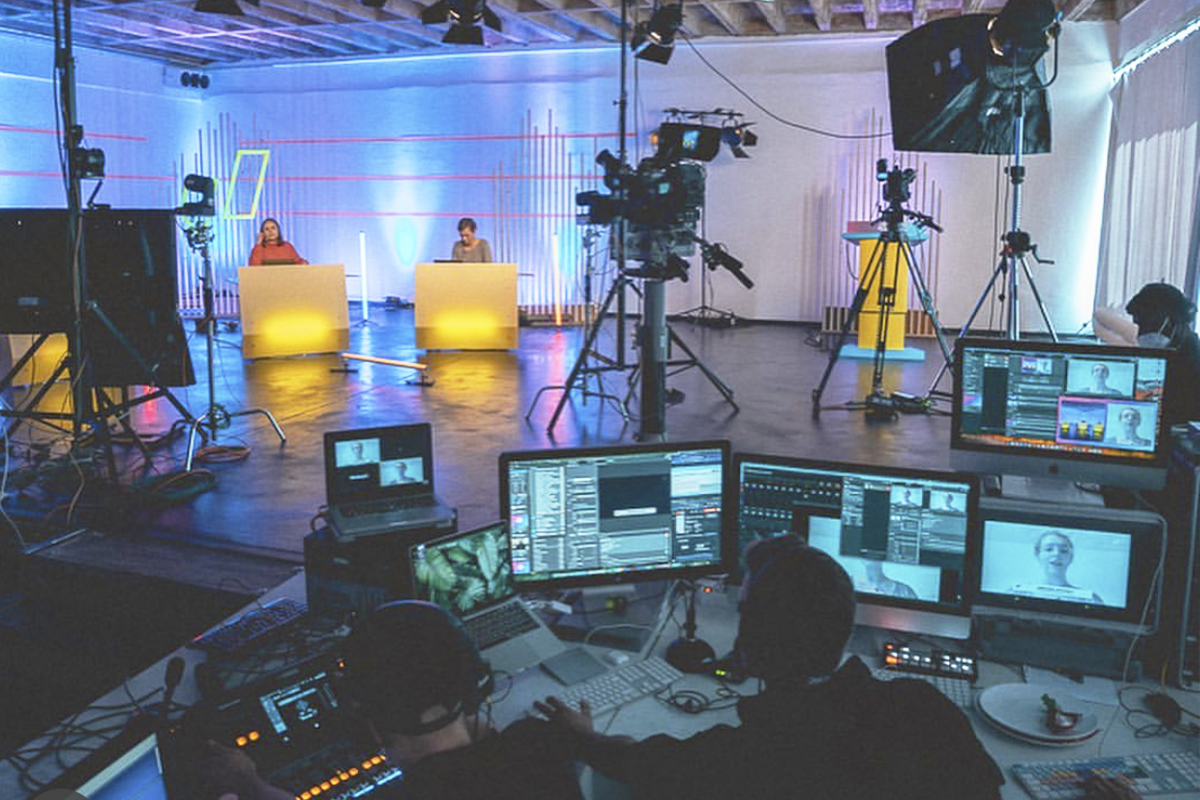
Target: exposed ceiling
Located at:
point(281, 30)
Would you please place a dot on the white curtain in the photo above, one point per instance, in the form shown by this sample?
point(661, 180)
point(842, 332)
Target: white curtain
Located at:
point(1153, 176)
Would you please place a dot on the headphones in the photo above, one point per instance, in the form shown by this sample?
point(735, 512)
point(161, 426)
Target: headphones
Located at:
point(408, 656)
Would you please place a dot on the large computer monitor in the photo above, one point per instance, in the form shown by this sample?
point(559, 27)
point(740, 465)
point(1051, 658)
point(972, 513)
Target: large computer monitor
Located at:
point(1083, 565)
point(1073, 411)
point(591, 516)
point(905, 536)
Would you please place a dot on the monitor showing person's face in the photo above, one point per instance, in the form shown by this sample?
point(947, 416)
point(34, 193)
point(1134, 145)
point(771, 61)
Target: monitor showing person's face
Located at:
point(1055, 553)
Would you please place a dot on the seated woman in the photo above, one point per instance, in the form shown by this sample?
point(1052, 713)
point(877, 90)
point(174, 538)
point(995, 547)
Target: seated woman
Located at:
point(271, 247)
point(469, 247)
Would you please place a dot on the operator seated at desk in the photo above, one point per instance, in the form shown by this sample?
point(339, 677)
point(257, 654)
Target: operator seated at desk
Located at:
point(817, 729)
point(419, 683)
point(271, 248)
point(469, 247)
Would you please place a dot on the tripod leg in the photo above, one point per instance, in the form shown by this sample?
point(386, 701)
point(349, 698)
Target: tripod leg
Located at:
point(1037, 297)
point(720, 386)
point(588, 341)
point(1001, 267)
point(860, 297)
point(922, 288)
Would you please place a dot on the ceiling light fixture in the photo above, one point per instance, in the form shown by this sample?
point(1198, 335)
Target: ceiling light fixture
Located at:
point(655, 40)
point(464, 17)
point(229, 7)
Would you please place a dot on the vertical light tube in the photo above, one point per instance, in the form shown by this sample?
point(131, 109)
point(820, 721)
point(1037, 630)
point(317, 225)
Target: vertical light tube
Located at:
point(557, 279)
point(362, 273)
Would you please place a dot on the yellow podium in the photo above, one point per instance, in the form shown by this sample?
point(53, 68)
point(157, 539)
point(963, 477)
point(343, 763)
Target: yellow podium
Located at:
point(893, 275)
point(466, 306)
point(293, 310)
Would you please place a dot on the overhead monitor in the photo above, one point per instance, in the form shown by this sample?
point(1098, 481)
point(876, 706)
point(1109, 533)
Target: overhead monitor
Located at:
point(1083, 412)
point(905, 536)
point(591, 516)
point(1091, 566)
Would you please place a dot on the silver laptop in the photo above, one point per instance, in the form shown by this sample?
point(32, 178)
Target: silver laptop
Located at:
point(380, 480)
point(469, 575)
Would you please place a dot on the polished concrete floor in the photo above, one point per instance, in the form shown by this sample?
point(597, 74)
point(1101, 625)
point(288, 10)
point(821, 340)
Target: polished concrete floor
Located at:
point(478, 405)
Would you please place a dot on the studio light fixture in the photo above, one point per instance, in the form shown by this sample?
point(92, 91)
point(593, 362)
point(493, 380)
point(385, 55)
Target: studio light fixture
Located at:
point(464, 17)
point(739, 136)
point(655, 40)
point(230, 7)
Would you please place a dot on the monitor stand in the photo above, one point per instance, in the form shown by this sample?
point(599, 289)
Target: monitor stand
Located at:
point(1040, 490)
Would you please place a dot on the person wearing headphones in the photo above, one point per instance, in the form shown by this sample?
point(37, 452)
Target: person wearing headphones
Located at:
point(420, 684)
point(821, 727)
point(1165, 317)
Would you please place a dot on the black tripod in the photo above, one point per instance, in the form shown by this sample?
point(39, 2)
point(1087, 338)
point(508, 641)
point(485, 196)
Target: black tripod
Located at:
point(1014, 253)
point(199, 236)
point(877, 402)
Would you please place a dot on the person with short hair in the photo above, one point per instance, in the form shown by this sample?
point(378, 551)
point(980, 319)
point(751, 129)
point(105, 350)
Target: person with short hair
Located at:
point(421, 685)
point(469, 247)
point(271, 248)
point(1129, 418)
point(1166, 318)
point(821, 727)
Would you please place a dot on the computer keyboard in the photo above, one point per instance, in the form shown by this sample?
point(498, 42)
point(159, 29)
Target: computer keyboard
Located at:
point(500, 624)
point(1160, 773)
point(254, 624)
point(959, 690)
point(622, 685)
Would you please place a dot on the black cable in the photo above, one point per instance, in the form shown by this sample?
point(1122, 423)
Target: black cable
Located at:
point(772, 114)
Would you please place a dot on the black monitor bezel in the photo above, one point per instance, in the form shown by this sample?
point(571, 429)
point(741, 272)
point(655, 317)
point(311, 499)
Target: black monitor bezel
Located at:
point(728, 531)
point(970, 556)
point(422, 429)
point(1149, 535)
point(1033, 459)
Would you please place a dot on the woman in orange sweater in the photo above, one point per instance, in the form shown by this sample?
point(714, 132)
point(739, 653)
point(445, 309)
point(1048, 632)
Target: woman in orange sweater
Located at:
point(271, 247)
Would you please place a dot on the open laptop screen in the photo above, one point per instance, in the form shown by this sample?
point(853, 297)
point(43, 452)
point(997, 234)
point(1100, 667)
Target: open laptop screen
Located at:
point(463, 572)
point(370, 463)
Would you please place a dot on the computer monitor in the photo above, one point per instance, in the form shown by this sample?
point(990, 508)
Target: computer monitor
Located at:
point(905, 536)
point(591, 516)
point(126, 766)
point(1090, 566)
point(1079, 412)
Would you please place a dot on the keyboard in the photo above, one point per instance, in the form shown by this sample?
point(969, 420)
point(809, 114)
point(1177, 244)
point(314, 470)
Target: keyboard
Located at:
point(254, 624)
point(384, 506)
point(500, 625)
point(959, 690)
point(1160, 773)
point(622, 685)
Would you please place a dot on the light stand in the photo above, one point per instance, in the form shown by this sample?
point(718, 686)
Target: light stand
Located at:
point(878, 404)
point(687, 653)
point(1013, 255)
point(199, 236)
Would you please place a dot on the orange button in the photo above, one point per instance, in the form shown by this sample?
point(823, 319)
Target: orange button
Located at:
point(241, 741)
point(353, 771)
point(255, 736)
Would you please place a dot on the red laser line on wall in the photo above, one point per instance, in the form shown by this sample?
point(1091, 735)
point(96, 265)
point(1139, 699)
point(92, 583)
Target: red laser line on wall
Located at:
point(478, 137)
point(90, 134)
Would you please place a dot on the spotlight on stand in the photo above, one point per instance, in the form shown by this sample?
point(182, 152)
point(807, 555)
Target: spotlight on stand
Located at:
point(955, 84)
point(206, 205)
point(655, 40)
point(464, 17)
point(89, 162)
point(230, 7)
point(739, 136)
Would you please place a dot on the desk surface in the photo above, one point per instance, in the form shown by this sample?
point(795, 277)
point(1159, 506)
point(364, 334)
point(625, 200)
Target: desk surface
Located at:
point(717, 624)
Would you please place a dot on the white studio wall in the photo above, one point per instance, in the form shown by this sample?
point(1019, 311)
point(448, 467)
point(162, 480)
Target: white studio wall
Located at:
point(401, 148)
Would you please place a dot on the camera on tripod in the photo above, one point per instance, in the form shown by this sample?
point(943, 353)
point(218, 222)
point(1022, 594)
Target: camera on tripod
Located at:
point(896, 182)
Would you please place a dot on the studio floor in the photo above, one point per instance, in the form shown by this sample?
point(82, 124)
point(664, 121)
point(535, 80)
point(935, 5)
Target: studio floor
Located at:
point(111, 598)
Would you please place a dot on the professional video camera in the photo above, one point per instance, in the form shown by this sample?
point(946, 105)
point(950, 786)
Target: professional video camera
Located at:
point(660, 203)
point(896, 182)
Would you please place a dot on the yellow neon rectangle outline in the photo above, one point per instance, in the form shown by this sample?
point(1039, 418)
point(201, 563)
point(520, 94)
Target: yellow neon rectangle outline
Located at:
point(258, 187)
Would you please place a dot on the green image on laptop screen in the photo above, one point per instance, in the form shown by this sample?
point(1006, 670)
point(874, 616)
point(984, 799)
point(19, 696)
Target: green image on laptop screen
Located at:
point(463, 572)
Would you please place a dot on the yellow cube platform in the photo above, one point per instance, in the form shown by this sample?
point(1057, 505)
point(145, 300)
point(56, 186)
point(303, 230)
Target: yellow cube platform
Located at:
point(466, 306)
point(293, 310)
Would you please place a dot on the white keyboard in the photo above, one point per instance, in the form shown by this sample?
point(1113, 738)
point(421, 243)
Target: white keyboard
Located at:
point(622, 685)
point(1161, 773)
point(960, 691)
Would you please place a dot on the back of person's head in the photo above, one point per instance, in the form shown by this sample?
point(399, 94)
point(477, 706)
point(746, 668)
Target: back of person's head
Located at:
point(406, 659)
point(1160, 305)
point(797, 611)
point(466, 224)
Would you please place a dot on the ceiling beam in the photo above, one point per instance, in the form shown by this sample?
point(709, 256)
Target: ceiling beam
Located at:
point(772, 14)
point(822, 14)
point(871, 14)
point(1073, 10)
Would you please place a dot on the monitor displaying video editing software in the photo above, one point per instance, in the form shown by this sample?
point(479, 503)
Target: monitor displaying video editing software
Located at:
point(906, 537)
point(1072, 411)
point(590, 516)
point(1087, 564)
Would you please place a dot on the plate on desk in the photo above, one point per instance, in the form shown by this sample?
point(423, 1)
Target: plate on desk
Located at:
point(1017, 709)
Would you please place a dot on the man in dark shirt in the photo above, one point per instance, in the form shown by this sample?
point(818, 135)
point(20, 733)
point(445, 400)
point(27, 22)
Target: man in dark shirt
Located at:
point(420, 683)
point(816, 730)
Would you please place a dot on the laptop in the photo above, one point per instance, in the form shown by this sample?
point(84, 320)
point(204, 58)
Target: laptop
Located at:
point(380, 480)
point(469, 575)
